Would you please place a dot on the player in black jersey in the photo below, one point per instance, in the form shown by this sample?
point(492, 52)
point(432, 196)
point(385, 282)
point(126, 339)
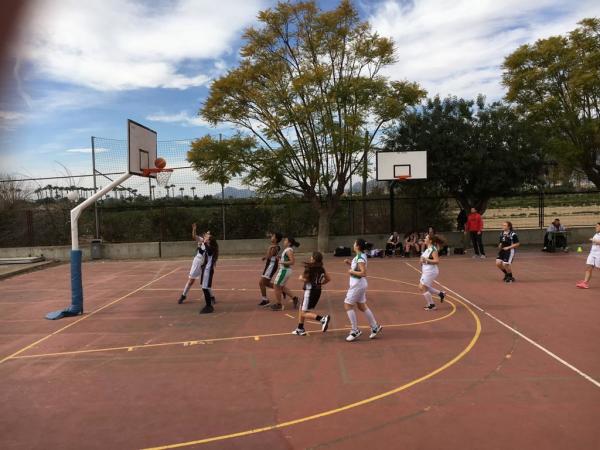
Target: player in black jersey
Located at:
point(314, 278)
point(271, 266)
point(509, 241)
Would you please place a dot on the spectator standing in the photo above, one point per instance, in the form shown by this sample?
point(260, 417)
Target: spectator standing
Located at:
point(474, 226)
point(461, 220)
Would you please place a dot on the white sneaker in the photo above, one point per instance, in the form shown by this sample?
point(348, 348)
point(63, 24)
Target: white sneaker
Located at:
point(299, 332)
point(482, 256)
point(374, 331)
point(353, 335)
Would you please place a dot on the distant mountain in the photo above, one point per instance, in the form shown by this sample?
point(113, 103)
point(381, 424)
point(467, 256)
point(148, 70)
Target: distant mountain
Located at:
point(231, 192)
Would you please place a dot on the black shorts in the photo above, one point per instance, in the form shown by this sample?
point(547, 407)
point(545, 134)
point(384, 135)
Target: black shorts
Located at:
point(506, 256)
point(311, 298)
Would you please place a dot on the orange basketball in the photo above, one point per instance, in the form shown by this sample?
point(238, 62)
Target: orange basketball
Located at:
point(160, 163)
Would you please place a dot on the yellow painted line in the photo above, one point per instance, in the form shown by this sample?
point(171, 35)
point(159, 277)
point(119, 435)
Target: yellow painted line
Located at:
point(290, 316)
point(331, 412)
point(18, 352)
point(223, 339)
point(380, 278)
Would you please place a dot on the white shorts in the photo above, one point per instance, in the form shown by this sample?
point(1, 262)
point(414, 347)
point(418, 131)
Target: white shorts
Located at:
point(357, 293)
point(196, 269)
point(427, 278)
point(593, 260)
point(283, 275)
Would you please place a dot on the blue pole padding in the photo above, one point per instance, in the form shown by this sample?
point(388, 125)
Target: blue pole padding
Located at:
point(76, 283)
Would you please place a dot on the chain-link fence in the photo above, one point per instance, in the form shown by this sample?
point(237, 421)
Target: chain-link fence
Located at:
point(36, 211)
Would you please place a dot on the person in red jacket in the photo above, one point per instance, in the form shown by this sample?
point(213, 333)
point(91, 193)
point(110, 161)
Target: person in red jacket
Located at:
point(474, 226)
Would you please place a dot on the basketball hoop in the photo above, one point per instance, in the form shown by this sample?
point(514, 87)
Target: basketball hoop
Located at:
point(402, 178)
point(162, 175)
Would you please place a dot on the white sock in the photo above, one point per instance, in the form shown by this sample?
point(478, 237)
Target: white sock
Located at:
point(352, 316)
point(433, 290)
point(264, 297)
point(187, 288)
point(370, 318)
point(428, 298)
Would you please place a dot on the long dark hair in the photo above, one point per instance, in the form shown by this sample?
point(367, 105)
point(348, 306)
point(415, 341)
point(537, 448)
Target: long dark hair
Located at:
point(510, 225)
point(361, 244)
point(214, 245)
point(293, 242)
point(437, 240)
point(311, 268)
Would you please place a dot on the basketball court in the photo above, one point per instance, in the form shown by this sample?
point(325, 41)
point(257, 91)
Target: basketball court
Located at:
point(137, 370)
point(495, 366)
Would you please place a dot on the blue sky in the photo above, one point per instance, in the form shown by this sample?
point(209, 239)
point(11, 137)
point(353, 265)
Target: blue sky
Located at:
point(83, 68)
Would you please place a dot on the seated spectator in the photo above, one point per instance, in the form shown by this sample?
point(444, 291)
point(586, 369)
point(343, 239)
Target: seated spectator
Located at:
point(411, 243)
point(393, 243)
point(555, 237)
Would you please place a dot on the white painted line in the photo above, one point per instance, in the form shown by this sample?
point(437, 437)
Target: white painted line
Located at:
point(518, 333)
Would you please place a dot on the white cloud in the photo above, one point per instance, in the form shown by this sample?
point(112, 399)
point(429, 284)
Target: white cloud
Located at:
point(458, 47)
point(183, 118)
point(86, 150)
point(11, 115)
point(127, 44)
point(10, 119)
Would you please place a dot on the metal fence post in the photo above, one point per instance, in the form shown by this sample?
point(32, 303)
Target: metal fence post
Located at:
point(95, 189)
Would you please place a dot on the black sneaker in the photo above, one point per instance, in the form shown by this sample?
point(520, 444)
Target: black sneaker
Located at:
point(207, 309)
point(325, 323)
point(430, 307)
point(276, 307)
point(505, 278)
point(295, 301)
point(510, 280)
point(442, 296)
point(264, 303)
point(181, 299)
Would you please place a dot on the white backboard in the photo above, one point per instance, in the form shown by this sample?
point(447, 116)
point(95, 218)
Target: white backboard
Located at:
point(390, 165)
point(141, 142)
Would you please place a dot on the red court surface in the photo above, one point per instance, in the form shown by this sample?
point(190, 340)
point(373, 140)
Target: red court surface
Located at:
point(139, 371)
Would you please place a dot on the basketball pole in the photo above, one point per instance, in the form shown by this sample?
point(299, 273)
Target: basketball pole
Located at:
point(76, 306)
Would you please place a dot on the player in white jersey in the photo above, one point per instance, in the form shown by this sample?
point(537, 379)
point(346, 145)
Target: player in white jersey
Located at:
point(197, 263)
point(430, 260)
point(357, 292)
point(286, 261)
point(593, 260)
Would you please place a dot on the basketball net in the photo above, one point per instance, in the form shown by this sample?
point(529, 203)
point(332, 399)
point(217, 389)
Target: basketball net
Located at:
point(162, 175)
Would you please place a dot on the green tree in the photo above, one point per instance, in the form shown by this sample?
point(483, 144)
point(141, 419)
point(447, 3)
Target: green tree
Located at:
point(556, 82)
point(475, 151)
point(218, 161)
point(309, 89)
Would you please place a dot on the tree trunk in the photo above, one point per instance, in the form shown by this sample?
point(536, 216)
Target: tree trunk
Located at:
point(323, 232)
point(592, 172)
